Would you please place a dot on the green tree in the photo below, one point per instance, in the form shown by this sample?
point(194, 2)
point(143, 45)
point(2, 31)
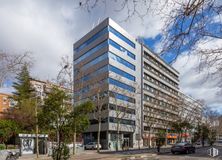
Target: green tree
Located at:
point(201, 133)
point(23, 86)
point(78, 120)
point(53, 116)
point(8, 128)
point(24, 96)
point(160, 137)
point(56, 115)
point(179, 127)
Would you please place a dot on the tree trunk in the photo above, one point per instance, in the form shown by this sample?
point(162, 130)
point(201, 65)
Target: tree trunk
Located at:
point(74, 143)
point(117, 141)
point(98, 135)
point(58, 157)
point(149, 139)
point(139, 144)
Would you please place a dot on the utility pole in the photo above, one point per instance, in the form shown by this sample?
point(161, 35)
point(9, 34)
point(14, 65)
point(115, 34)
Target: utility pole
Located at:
point(37, 129)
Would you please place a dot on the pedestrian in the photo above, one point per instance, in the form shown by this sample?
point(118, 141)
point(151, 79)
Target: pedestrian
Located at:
point(158, 147)
point(123, 145)
point(109, 146)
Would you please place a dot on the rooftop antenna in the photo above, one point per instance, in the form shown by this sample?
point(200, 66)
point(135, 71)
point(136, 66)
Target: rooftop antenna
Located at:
point(93, 25)
point(98, 21)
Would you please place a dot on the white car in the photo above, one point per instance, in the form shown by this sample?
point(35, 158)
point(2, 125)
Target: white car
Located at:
point(92, 145)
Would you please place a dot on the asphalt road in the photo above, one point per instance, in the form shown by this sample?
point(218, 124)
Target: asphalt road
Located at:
point(201, 154)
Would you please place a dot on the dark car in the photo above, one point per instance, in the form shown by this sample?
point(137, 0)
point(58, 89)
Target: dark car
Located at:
point(183, 147)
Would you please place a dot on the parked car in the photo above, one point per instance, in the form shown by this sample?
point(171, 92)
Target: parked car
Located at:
point(198, 143)
point(183, 147)
point(92, 145)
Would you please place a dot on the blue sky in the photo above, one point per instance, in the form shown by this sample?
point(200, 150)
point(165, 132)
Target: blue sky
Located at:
point(49, 31)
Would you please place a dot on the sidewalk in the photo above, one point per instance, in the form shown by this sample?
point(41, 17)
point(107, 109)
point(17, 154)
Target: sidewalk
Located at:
point(33, 157)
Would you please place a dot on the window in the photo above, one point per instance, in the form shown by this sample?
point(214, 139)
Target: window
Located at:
point(122, 49)
point(95, 61)
point(91, 39)
point(91, 51)
point(122, 121)
point(121, 85)
point(121, 60)
point(122, 109)
point(102, 32)
point(5, 100)
point(105, 56)
point(91, 75)
point(119, 35)
point(122, 97)
point(121, 73)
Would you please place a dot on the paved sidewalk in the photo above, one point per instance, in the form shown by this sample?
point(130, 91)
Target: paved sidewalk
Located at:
point(33, 157)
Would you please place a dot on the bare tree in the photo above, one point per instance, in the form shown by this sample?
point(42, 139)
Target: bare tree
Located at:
point(120, 112)
point(187, 25)
point(189, 115)
point(10, 64)
point(211, 121)
point(100, 101)
point(65, 79)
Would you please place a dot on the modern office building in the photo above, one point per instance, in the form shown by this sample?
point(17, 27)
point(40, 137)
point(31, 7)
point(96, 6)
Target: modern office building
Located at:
point(133, 85)
point(107, 63)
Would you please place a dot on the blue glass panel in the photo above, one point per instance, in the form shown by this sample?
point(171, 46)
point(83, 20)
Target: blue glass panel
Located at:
point(121, 73)
point(91, 39)
point(121, 85)
point(122, 97)
point(95, 61)
point(122, 49)
point(122, 61)
point(92, 74)
point(122, 121)
point(91, 51)
point(119, 35)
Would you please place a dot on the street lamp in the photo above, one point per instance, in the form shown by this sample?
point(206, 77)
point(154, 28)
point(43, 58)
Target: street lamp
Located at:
point(57, 81)
point(36, 126)
point(64, 67)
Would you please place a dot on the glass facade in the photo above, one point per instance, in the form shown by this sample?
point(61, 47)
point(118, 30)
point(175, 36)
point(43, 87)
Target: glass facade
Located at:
point(122, 73)
point(102, 32)
point(93, 74)
point(119, 35)
point(122, 97)
point(95, 61)
point(106, 56)
point(90, 52)
point(91, 39)
point(121, 60)
point(121, 85)
point(121, 121)
point(122, 49)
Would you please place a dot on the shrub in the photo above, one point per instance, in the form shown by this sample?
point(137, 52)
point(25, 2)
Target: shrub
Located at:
point(2, 146)
point(61, 152)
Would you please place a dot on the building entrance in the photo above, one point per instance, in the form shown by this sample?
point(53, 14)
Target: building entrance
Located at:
point(126, 144)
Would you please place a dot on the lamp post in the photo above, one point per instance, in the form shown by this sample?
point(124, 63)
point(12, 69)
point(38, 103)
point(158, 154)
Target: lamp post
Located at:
point(57, 81)
point(37, 129)
point(36, 126)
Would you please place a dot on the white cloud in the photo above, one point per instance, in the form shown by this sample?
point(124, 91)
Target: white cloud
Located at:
point(198, 84)
point(49, 28)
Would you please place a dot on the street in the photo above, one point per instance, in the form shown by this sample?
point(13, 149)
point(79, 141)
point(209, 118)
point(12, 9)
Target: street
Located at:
point(151, 154)
point(143, 154)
